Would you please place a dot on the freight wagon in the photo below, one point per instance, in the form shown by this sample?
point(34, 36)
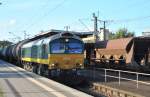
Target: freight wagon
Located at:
point(132, 53)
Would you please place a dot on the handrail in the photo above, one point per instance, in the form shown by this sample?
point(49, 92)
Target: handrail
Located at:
point(124, 71)
point(124, 78)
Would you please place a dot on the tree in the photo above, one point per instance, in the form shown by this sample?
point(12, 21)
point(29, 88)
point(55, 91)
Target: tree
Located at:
point(5, 43)
point(111, 36)
point(121, 33)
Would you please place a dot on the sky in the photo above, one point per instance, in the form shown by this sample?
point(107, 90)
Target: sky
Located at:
point(18, 17)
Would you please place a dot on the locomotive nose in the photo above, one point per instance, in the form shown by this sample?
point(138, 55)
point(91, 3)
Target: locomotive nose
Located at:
point(66, 61)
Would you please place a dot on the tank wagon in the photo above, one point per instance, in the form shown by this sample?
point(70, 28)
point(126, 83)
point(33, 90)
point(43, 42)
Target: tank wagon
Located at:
point(132, 53)
point(61, 52)
point(12, 53)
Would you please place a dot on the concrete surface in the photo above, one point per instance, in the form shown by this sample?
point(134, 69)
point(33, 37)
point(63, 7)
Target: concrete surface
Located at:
point(16, 82)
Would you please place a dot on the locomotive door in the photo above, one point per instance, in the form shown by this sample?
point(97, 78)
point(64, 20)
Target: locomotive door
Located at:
point(44, 51)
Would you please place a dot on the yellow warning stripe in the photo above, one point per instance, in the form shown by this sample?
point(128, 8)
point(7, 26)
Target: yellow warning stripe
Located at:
point(36, 60)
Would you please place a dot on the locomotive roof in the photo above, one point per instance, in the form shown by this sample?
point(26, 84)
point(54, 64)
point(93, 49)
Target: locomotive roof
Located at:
point(65, 35)
point(54, 32)
point(51, 38)
point(28, 44)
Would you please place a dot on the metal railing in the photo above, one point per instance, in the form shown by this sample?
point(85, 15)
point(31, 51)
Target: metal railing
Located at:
point(120, 77)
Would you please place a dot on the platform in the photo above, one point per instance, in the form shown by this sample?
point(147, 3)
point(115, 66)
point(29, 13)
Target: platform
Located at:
point(16, 82)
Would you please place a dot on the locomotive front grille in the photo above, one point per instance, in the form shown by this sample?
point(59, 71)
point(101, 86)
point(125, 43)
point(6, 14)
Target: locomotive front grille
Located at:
point(66, 61)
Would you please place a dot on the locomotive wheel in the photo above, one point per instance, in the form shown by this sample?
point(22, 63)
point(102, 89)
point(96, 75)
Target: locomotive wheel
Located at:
point(34, 69)
point(46, 71)
point(24, 66)
point(52, 73)
point(49, 74)
point(40, 70)
point(30, 67)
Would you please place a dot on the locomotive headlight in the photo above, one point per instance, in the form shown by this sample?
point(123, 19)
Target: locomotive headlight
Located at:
point(82, 66)
point(53, 65)
point(67, 40)
point(78, 65)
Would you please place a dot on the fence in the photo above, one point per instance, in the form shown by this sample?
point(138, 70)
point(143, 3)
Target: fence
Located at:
point(120, 77)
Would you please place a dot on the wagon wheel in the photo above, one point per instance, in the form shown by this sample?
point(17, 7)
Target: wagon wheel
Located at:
point(111, 62)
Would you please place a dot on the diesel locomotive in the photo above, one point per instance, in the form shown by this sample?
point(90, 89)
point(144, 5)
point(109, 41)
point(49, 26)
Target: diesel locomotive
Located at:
point(61, 52)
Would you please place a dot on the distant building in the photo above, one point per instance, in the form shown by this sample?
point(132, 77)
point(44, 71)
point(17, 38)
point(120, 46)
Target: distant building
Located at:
point(147, 33)
point(92, 39)
point(103, 36)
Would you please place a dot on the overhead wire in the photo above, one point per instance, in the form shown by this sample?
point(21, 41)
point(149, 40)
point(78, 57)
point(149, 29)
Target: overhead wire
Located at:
point(61, 3)
point(38, 20)
point(84, 24)
point(136, 19)
point(132, 19)
point(31, 20)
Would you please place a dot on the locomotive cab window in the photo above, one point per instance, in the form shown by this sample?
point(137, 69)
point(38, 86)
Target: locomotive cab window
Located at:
point(70, 46)
point(58, 48)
